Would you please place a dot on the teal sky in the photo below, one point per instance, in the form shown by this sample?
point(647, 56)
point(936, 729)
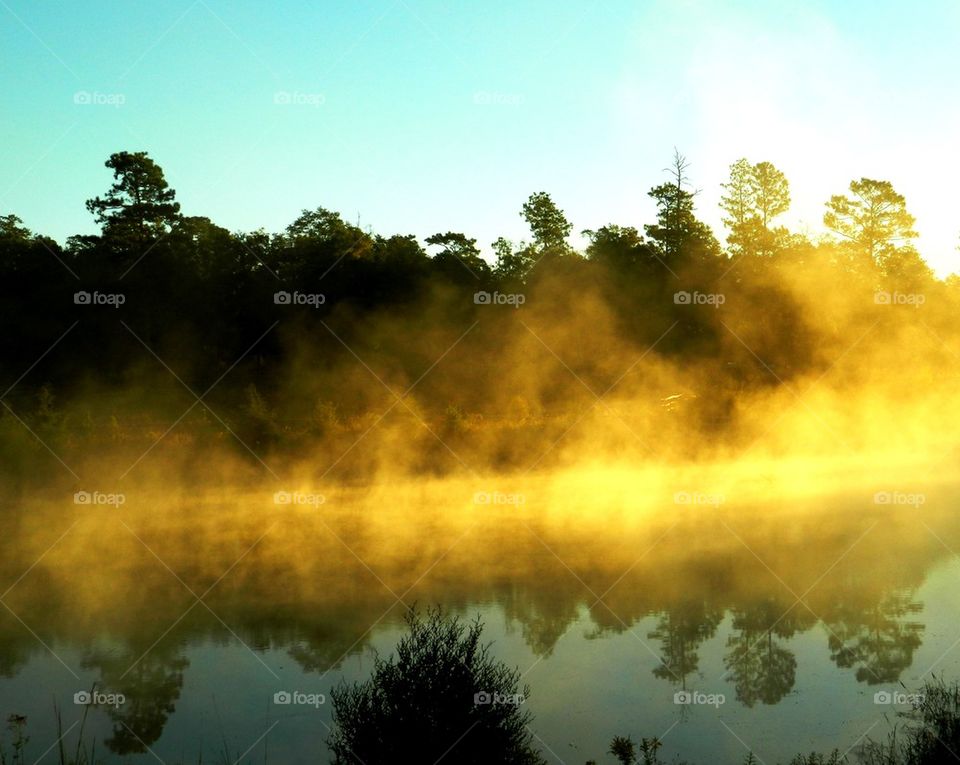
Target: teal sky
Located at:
point(427, 115)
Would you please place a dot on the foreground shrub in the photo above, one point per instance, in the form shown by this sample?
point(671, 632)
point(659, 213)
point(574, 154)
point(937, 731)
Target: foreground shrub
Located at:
point(440, 696)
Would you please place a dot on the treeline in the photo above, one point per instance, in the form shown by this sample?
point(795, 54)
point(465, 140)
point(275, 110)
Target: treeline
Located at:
point(243, 311)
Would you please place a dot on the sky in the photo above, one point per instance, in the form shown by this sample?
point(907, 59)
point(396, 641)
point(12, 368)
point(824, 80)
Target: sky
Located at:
point(419, 116)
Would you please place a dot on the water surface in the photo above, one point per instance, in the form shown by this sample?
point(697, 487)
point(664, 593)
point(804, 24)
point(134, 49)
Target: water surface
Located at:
point(782, 613)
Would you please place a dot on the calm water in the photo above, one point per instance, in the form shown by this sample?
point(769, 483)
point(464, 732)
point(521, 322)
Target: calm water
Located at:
point(784, 617)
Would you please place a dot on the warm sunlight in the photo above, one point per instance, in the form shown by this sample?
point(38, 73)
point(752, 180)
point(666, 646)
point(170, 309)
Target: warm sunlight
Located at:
point(414, 382)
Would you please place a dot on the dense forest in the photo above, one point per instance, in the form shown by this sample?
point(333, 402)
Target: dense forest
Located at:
point(323, 332)
point(189, 358)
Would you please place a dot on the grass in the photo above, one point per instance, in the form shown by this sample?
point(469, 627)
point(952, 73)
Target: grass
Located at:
point(930, 734)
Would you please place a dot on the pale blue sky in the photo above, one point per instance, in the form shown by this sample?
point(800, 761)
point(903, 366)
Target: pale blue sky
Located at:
point(427, 115)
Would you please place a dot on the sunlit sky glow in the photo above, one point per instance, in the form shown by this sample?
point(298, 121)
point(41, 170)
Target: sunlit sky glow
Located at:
point(584, 100)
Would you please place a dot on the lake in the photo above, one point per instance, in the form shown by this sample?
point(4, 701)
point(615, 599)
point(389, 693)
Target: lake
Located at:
point(778, 607)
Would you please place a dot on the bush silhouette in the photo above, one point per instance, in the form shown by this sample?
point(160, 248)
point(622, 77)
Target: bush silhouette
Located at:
point(441, 695)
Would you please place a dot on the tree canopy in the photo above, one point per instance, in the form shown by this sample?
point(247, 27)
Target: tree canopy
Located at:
point(139, 204)
point(873, 217)
point(324, 292)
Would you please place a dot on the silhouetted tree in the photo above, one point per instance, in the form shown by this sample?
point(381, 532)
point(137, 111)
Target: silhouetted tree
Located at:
point(874, 217)
point(548, 224)
point(459, 258)
point(621, 247)
point(677, 233)
point(315, 243)
point(755, 195)
point(140, 205)
point(513, 262)
point(11, 230)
